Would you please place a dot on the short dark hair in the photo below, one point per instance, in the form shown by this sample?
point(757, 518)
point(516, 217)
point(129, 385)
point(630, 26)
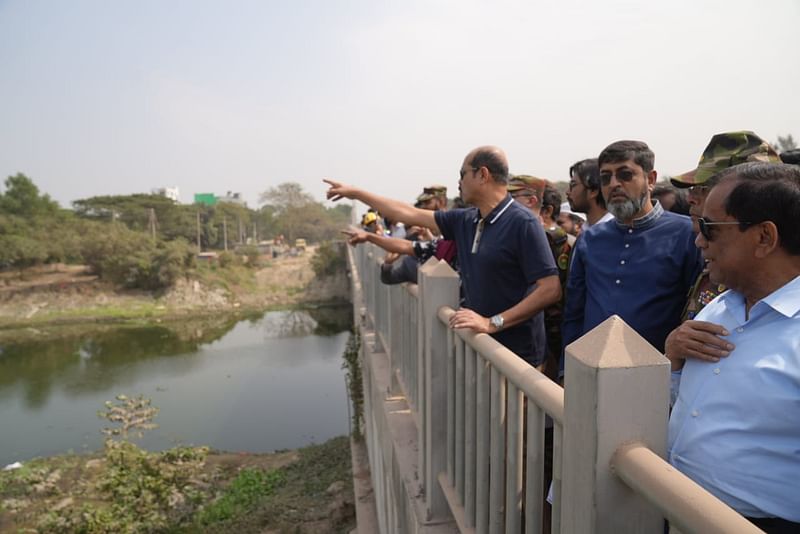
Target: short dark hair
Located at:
point(791, 156)
point(493, 161)
point(588, 172)
point(681, 204)
point(765, 192)
point(638, 151)
point(577, 219)
point(551, 197)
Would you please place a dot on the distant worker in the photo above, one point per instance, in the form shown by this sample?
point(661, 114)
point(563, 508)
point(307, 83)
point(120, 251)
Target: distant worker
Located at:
point(370, 222)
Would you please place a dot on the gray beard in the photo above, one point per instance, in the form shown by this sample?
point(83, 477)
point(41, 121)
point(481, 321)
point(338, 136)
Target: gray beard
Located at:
point(623, 211)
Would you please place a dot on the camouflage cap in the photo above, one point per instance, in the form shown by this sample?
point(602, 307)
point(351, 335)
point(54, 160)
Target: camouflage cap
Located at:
point(432, 191)
point(726, 150)
point(525, 181)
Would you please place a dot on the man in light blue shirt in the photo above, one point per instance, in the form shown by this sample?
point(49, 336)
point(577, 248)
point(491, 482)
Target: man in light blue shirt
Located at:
point(735, 426)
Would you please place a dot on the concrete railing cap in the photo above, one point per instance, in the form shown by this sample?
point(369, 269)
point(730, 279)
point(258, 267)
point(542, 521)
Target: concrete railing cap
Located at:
point(614, 344)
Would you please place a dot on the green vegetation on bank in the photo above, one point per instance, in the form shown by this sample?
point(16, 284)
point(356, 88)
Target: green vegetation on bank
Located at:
point(130, 490)
point(148, 241)
point(355, 384)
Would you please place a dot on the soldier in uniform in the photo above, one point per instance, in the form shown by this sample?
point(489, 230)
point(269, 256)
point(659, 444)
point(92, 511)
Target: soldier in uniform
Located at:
point(723, 151)
point(701, 339)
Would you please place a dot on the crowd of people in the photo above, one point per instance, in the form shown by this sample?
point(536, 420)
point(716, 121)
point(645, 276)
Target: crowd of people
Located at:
point(717, 291)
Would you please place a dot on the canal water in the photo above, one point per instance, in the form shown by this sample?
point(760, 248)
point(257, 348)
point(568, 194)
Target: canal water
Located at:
point(258, 384)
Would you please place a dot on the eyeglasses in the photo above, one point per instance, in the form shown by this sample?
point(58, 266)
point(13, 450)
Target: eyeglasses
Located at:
point(706, 226)
point(623, 175)
point(463, 172)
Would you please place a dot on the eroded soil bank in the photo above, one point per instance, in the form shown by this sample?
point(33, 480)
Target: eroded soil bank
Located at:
point(69, 294)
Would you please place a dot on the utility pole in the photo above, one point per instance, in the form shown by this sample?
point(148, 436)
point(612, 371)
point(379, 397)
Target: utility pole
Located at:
point(153, 222)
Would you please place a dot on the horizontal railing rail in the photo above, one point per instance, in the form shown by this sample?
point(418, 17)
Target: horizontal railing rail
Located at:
point(687, 506)
point(482, 414)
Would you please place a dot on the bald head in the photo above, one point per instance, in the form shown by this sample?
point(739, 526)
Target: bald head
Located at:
point(493, 158)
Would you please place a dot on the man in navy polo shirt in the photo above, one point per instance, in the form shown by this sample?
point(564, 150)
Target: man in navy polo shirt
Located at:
point(508, 275)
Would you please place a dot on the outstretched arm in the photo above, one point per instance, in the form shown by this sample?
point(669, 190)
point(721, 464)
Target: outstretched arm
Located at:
point(393, 209)
point(389, 244)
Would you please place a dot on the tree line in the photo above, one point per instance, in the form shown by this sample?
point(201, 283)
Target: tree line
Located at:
point(146, 240)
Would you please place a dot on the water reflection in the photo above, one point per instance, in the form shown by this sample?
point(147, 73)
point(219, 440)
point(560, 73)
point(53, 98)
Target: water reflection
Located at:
point(244, 383)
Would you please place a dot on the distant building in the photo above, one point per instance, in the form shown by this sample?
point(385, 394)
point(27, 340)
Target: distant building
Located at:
point(171, 193)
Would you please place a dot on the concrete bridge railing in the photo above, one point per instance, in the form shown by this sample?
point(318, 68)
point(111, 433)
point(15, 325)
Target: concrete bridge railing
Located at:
point(455, 423)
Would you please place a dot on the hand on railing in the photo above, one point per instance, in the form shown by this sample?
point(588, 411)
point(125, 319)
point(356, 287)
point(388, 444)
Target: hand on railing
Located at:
point(465, 318)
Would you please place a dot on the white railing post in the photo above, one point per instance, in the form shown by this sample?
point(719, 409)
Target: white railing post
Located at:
point(616, 390)
point(438, 287)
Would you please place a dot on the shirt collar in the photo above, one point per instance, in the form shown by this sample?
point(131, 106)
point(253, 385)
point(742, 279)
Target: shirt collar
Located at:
point(498, 210)
point(784, 300)
point(607, 216)
point(646, 220)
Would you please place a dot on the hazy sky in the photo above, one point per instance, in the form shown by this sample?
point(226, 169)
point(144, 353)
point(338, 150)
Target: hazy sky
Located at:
point(114, 97)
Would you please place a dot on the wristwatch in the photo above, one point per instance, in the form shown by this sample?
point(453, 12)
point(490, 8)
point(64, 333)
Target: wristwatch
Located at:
point(497, 322)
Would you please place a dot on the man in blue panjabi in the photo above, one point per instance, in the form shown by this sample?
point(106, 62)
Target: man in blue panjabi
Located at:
point(639, 266)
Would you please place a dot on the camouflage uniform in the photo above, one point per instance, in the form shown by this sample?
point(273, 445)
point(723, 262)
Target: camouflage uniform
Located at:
point(561, 244)
point(723, 151)
point(702, 292)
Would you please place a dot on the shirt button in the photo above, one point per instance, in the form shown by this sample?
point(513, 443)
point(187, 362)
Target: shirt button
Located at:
point(695, 413)
point(630, 230)
point(627, 245)
point(716, 371)
point(617, 281)
point(740, 329)
point(622, 262)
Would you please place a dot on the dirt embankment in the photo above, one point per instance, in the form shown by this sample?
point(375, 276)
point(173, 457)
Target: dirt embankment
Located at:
point(66, 293)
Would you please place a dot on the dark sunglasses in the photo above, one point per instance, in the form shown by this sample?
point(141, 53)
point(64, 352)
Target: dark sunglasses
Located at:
point(705, 226)
point(463, 172)
point(623, 175)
